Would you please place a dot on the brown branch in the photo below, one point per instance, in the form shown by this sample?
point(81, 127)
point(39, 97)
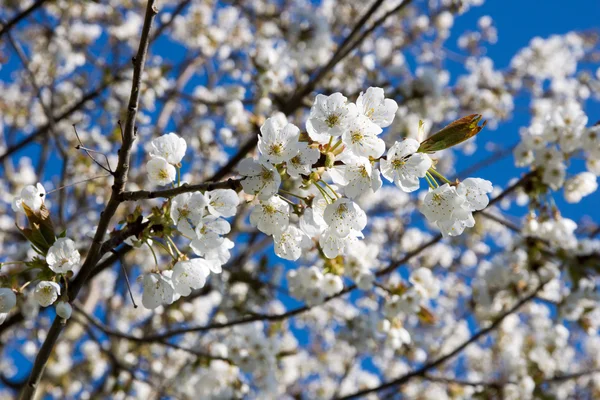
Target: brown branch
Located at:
point(121, 173)
point(19, 17)
point(233, 184)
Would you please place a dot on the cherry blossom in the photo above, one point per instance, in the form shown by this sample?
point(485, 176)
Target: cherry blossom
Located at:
point(170, 147)
point(62, 256)
point(330, 116)
point(278, 143)
point(158, 290)
point(404, 166)
point(262, 179)
point(160, 172)
point(373, 105)
point(46, 293)
point(32, 196)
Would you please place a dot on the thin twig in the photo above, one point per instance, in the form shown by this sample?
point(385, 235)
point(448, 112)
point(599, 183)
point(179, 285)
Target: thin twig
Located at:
point(80, 146)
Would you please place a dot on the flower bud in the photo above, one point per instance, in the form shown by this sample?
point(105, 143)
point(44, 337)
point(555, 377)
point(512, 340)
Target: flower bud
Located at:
point(64, 309)
point(453, 134)
point(8, 300)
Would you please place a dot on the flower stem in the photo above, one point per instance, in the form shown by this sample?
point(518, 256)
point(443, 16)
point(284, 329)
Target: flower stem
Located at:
point(294, 195)
point(335, 146)
point(437, 174)
point(165, 248)
point(330, 188)
point(174, 245)
point(323, 193)
point(287, 201)
point(153, 253)
point(430, 180)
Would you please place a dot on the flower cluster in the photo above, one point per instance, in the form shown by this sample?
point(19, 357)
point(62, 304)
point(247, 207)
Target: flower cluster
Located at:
point(451, 208)
point(61, 256)
point(166, 153)
point(198, 217)
point(338, 159)
point(552, 141)
point(310, 285)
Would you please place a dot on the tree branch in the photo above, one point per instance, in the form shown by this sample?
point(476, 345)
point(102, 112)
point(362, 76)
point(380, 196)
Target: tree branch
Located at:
point(121, 173)
point(233, 184)
point(19, 17)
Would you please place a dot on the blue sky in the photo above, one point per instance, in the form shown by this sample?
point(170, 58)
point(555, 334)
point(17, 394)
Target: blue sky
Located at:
point(517, 23)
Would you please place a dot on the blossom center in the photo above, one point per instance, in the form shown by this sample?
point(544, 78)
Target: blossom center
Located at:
point(356, 137)
point(163, 174)
point(398, 163)
point(267, 175)
point(332, 120)
point(276, 148)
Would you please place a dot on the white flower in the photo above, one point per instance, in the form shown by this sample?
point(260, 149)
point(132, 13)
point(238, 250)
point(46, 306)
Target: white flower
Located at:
point(8, 300)
point(579, 186)
point(376, 107)
point(208, 234)
point(548, 155)
point(361, 138)
point(329, 116)
point(461, 219)
point(32, 196)
point(332, 284)
point(222, 202)
point(160, 172)
point(398, 337)
point(404, 166)
point(46, 293)
point(170, 147)
point(311, 221)
point(271, 216)
point(302, 162)
point(593, 162)
point(591, 138)
point(64, 309)
point(560, 232)
point(475, 192)
point(425, 283)
point(440, 203)
point(570, 121)
point(262, 179)
point(187, 210)
point(554, 175)
point(219, 256)
point(523, 155)
point(344, 215)
point(278, 143)
point(334, 245)
point(190, 275)
point(158, 290)
point(357, 176)
point(62, 256)
point(290, 242)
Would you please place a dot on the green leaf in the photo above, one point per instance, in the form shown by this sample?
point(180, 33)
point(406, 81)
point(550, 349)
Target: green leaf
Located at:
point(453, 134)
point(36, 239)
point(40, 221)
